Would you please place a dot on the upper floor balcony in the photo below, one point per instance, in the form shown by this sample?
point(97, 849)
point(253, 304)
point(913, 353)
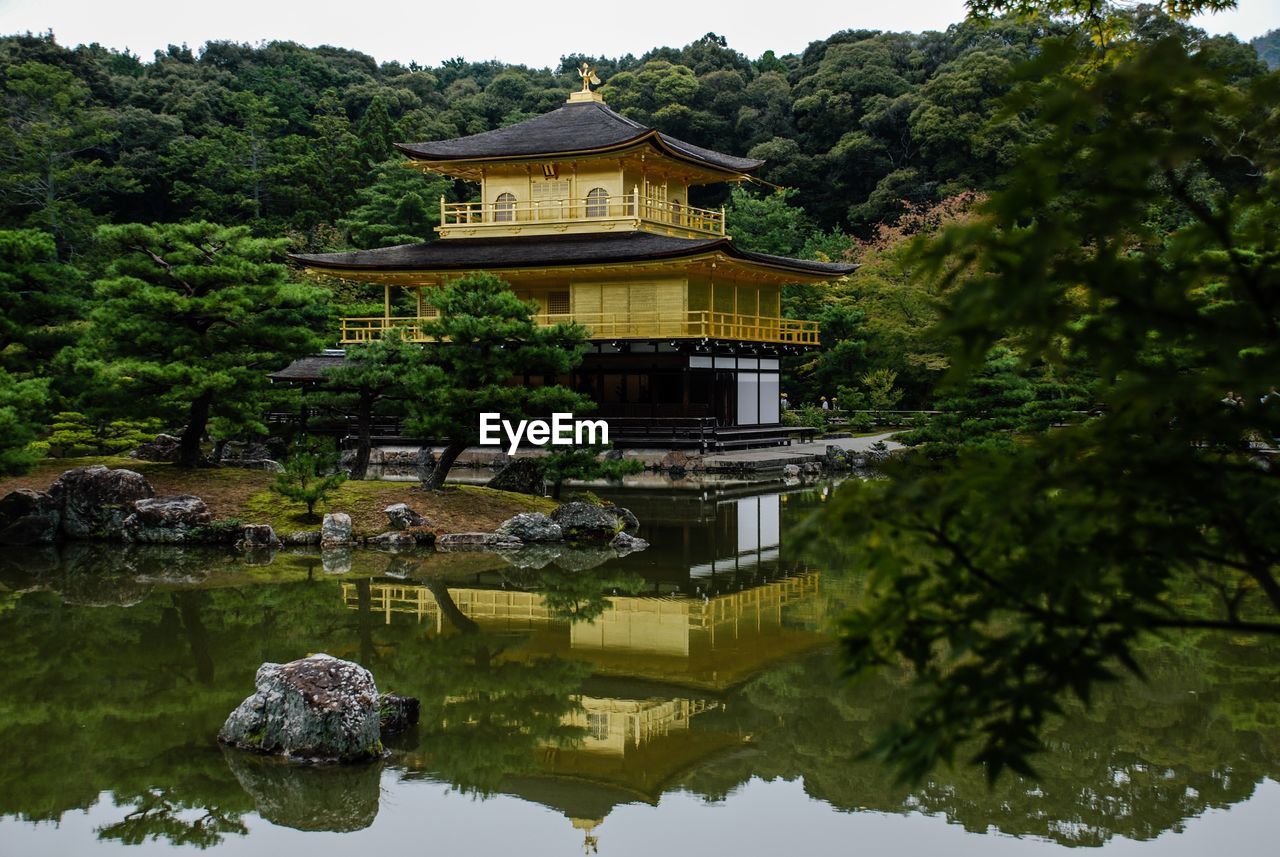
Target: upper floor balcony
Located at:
point(596, 212)
point(695, 324)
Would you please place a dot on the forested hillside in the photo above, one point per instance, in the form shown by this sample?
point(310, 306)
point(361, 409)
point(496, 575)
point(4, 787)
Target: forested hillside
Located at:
point(293, 141)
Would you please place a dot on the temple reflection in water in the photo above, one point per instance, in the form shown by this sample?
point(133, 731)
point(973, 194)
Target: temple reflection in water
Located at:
point(721, 608)
point(710, 642)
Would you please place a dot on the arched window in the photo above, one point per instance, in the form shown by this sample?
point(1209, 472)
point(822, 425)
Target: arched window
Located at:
point(597, 202)
point(504, 209)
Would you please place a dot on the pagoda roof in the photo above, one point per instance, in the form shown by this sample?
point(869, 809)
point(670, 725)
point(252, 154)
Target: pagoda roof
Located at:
point(580, 128)
point(478, 254)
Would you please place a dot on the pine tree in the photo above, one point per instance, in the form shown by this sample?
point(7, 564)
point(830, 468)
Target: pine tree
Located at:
point(402, 206)
point(305, 480)
point(21, 403)
point(376, 132)
point(190, 319)
point(484, 340)
point(40, 300)
point(371, 374)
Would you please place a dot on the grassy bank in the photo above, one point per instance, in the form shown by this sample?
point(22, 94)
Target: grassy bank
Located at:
point(245, 495)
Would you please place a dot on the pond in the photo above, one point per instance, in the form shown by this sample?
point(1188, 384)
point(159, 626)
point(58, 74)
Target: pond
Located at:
point(684, 697)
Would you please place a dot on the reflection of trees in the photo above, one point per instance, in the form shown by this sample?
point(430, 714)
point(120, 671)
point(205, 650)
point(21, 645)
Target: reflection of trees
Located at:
point(188, 604)
point(1145, 757)
point(572, 594)
point(156, 814)
point(485, 714)
point(127, 699)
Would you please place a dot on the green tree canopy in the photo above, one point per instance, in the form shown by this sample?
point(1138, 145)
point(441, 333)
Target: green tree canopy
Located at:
point(51, 146)
point(768, 223)
point(485, 341)
point(190, 318)
point(373, 373)
point(402, 206)
point(22, 404)
point(40, 300)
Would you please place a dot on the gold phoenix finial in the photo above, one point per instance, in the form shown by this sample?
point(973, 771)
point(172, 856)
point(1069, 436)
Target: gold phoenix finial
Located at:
point(588, 77)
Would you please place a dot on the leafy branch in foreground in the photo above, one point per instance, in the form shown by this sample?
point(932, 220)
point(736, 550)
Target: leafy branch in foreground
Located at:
point(1138, 241)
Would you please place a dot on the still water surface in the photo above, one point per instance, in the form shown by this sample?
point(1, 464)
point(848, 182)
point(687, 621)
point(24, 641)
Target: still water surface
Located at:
point(686, 697)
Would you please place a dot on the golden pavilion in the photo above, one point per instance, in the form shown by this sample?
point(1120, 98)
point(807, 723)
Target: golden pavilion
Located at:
point(587, 213)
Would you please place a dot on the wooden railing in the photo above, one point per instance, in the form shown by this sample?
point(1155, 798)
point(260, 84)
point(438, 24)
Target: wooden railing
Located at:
point(698, 324)
point(547, 211)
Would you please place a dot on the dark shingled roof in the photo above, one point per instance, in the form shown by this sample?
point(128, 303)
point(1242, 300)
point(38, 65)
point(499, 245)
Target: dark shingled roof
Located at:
point(478, 254)
point(310, 368)
point(575, 127)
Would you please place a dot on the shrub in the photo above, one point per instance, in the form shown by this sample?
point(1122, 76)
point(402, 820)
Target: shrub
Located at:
point(306, 479)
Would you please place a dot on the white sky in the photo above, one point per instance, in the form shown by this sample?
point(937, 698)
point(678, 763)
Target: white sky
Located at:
point(533, 32)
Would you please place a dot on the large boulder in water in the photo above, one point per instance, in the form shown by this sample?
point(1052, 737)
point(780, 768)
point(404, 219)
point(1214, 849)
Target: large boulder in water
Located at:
point(95, 500)
point(531, 527)
point(523, 476)
point(29, 518)
point(586, 522)
point(166, 520)
point(318, 709)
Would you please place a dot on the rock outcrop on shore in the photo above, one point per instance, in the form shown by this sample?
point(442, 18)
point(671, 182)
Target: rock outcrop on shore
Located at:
point(96, 500)
point(112, 505)
point(531, 527)
point(402, 517)
point(317, 709)
point(587, 522)
point(120, 505)
point(576, 537)
point(166, 520)
point(29, 518)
